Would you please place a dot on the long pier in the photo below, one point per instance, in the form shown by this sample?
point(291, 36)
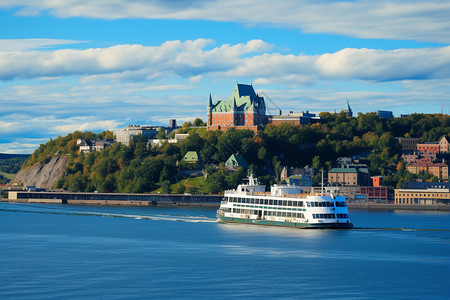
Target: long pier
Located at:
point(115, 198)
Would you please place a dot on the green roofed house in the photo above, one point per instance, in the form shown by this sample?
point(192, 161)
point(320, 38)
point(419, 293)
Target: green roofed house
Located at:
point(235, 161)
point(190, 157)
point(353, 175)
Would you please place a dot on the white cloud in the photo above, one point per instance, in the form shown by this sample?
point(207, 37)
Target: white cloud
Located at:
point(86, 126)
point(18, 147)
point(383, 65)
point(187, 58)
point(363, 64)
point(420, 20)
point(28, 44)
point(191, 59)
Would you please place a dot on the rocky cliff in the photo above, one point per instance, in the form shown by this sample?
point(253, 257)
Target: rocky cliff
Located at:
point(42, 175)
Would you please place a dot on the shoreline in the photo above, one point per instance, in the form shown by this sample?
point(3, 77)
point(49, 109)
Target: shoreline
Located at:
point(391, 207)
point(192, 203)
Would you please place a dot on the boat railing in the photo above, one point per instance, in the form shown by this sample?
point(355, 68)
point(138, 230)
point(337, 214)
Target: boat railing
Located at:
point(234, 192)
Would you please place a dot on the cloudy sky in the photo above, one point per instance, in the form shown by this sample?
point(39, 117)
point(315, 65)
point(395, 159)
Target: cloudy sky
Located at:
point(97, 65)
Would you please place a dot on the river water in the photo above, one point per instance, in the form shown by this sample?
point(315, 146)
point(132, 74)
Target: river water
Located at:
point(100, 252)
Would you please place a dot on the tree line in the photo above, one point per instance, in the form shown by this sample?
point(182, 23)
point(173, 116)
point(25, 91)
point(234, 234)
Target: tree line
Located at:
point(139, 169)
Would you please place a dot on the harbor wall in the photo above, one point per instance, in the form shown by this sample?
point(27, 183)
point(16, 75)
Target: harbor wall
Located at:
point(212, 201)
point(115, 199)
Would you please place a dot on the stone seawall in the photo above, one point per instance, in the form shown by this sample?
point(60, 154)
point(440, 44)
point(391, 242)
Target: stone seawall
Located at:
point(115, 199)
point(212, 201)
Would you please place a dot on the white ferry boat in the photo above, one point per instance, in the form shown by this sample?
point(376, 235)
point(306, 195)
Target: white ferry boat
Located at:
point(285, 205)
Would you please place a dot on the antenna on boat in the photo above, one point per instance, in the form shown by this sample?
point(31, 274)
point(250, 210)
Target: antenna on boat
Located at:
point(322, 183)
point(251, 180)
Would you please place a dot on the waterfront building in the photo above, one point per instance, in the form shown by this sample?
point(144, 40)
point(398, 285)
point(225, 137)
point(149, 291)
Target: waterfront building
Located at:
point(376, 180)
point(343, 176)
point(350, 175)
point(378, 194)
point(440, 170)
point(356, 194)
point(292, 171)
point(430, 147)
point(424, 193)
point(386, 114)
point(245, 109)
point(444, 144)
point(408, 143)
point(303, 118)
point(299, 180)
point(126, 135)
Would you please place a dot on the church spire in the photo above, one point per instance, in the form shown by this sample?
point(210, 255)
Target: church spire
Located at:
point(347, 109)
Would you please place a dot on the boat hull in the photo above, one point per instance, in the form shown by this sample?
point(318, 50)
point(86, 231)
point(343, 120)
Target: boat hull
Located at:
point(285, 224)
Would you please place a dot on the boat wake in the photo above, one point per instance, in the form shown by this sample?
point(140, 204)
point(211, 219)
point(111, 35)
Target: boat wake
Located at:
point(154, 217)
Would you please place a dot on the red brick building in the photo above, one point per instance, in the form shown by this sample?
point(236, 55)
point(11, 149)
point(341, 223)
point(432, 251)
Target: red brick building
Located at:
point(429, 148)
point(243, 110)
point(440, 170)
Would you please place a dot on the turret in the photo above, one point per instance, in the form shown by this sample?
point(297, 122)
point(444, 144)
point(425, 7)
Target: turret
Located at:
point(210, 104)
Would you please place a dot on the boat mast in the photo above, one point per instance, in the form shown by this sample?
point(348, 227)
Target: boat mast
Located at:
point(322, 183)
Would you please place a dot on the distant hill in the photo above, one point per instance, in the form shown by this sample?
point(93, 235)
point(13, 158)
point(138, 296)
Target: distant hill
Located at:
point(11, 163)
point(8, 156)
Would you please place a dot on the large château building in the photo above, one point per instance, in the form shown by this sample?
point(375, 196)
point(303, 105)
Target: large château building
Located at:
point(245, 109)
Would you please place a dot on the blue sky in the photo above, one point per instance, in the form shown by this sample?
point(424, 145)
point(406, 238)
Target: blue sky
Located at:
point(103, 64)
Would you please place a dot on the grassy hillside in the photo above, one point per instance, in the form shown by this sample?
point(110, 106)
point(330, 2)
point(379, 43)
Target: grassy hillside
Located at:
point(10, 164)
point(8, 176)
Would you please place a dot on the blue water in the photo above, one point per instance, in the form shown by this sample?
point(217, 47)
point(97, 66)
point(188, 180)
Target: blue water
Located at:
point(97, 252)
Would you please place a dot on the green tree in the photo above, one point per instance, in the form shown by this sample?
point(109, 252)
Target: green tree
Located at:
point(198, 122)
point(161, 134)
point(165, 187)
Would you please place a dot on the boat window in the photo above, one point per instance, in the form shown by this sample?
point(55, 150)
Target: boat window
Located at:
point(270, 202)
point(300, 203)
point(290, 203)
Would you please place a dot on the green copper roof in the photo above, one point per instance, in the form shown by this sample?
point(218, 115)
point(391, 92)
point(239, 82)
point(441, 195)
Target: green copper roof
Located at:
point(236, 160)
point(243, 98)
point(191, 156)
point(342, 170)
